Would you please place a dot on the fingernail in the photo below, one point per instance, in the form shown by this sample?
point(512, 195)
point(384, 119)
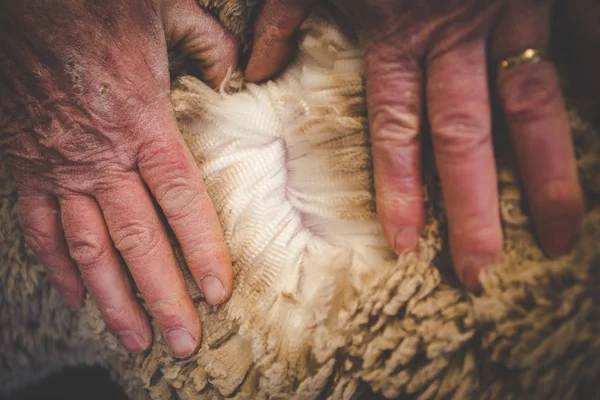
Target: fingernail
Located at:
point(132, 342)
point(407, 240)
point(471, 270)
point(73, 300)
point(181, 342)
point(559, 236)
point(213, 289)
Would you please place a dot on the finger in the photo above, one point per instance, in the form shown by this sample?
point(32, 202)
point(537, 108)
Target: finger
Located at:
point(171, 174)
point(539, 127)
point(43, 233)
point(200, 37)
point(459, 114)
point(139, 236)
point(100, 266)
point(394, 90)
point(274, 36)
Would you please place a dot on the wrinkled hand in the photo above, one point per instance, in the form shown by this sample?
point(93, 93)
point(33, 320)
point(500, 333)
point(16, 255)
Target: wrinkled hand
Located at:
point(88, 128)
point(427, 60)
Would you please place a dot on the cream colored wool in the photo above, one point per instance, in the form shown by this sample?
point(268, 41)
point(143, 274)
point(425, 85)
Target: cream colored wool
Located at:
point(321, 307)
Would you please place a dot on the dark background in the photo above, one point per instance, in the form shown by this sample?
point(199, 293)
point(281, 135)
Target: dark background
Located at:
point(75, 383)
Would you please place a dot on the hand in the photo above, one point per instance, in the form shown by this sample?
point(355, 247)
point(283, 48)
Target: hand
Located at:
point(87, 124)
point(428, 59)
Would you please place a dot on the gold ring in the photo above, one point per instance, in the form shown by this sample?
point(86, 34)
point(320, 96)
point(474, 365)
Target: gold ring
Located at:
point(529, 56)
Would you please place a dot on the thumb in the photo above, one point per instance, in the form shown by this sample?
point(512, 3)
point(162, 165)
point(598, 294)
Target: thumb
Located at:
point(199, 36)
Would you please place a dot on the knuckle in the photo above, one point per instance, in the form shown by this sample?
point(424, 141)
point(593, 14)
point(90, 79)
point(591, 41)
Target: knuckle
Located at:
point(528, 97)
point(166, 158)
point(385, 56)
point(393, 127)
point(39, 242)
point(135, 240)
point(394, 140)
point(400, 203)
point(178, 198)
point(458, 134)
point(156, 151)
point(169, 312)
point(89, 253)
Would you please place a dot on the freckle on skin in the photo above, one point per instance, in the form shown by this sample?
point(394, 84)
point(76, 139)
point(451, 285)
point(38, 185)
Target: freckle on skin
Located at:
point(104, 89)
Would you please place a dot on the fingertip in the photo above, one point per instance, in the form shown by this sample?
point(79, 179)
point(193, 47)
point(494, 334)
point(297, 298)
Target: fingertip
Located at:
point(225, 60)
point(203, 39)
point(470, 270)
point(213, 289)
point(475, 249)
point(267, 60)
point(143, 331)
point(182, 343)
point(558, 208)
point(402, 217)
point(178, 319)
point(216, 278)
point(401, 212)
point(559, 236)
point(182, 331)
point(406, 240)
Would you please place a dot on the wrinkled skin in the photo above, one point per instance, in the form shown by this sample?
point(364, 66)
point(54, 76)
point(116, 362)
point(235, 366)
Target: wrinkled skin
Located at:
point(427, 64)
point(88, 129)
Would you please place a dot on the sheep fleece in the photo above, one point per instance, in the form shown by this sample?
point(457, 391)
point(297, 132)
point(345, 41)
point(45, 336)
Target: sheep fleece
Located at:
point(322, 309)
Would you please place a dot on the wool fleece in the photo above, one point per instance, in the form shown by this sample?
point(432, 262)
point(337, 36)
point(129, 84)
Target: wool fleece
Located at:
point(322, 308)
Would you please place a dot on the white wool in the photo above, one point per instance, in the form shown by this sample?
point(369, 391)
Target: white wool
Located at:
point(286, 169)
